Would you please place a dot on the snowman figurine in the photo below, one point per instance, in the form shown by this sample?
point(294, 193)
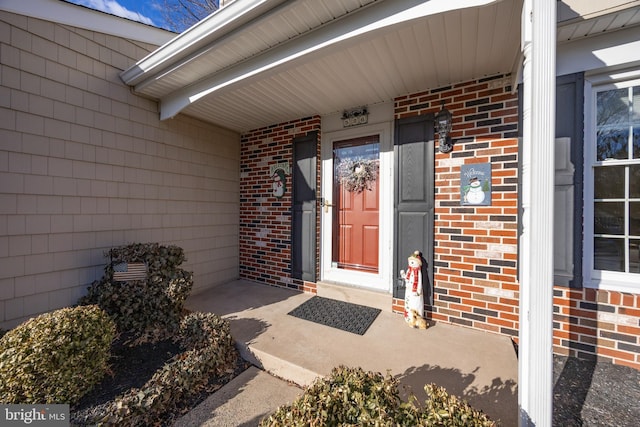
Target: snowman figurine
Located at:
point(474, 194)
point(413, 297)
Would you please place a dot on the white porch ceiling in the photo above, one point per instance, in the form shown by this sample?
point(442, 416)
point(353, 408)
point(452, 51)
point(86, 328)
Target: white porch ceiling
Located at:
point(260, 62)
point(366, 69)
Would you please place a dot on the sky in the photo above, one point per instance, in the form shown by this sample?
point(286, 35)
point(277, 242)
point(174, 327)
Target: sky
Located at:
point(145, 11)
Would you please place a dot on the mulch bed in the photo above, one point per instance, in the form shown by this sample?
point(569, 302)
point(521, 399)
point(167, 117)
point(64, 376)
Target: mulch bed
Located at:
point(592, 394)
point(131, 367)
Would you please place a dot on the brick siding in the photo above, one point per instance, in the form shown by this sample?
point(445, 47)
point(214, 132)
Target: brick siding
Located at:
point(476, 247)
point(475, 256)
point(265, 221)
point(591, 323)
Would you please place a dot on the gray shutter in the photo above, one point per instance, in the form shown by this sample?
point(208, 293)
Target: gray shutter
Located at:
point(563, 256)
point(303, 224)
point(414, 198)
point(568, 233)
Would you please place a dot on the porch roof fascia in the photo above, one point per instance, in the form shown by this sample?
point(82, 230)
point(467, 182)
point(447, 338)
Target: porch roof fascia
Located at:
point(224, 23)
point(195, 39)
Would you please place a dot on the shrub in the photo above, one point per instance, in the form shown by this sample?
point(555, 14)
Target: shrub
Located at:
point(56, 357)
point(140, 305)
point(349, 396)
point(442, 409)
point(353, 397)
point(209, 352)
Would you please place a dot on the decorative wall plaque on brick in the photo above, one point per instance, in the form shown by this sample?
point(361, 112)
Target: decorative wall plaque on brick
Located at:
point(475, 184)
point(279, 172)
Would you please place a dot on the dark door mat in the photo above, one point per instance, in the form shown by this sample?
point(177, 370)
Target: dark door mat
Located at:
point(337, 314)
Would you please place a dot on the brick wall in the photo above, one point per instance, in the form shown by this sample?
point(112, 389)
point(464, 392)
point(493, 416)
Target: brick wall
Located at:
point(475, 256)
point(86, 165)
point(591, 323)
point(476, 247)
point(265, 221)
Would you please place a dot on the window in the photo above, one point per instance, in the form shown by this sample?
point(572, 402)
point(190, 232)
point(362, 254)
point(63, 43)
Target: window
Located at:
point(612, 188)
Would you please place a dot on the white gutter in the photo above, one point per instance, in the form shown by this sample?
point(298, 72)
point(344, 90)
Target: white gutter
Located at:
point(374, 17)
point(210, 29)
point(535, 362)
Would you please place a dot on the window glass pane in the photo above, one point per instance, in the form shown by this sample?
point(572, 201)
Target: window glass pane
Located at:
point(635, 121)
point(609, 218)
point(634, 256)
point(635, 105)
point(634, 181)
point(613, 124)
point(613, 143)
point(634, 218)
point(613, 107)
point(608, 182)
point(608, 254)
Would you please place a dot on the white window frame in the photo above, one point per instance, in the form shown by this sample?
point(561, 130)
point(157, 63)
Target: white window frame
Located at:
point(601, 279)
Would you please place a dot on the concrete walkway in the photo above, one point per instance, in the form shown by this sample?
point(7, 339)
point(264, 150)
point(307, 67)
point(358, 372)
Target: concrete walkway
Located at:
point(480, 367)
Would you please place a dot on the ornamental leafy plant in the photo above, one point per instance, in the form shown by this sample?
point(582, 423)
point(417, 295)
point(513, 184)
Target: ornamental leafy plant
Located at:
point(443, 409)
point(354, 397)
point(348, 396)
point(56, 357)
point(141, 305)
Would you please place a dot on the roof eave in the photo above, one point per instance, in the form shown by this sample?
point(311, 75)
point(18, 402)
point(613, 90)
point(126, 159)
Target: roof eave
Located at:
point(216, 25)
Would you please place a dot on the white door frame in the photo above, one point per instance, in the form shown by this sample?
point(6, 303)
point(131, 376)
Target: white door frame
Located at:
point(381, 281)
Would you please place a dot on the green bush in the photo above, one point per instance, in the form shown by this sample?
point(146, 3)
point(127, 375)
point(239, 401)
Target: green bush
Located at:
point(56, 357)
point(353, 397)
point(209, 352)
point(140, 305)
point(443, 409)
point(349, 396)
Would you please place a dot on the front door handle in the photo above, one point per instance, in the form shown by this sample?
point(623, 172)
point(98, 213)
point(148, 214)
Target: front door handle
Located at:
point(326, 205)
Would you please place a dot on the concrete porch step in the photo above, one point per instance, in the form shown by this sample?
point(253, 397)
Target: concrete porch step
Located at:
point(355, 295)
point(277, 365)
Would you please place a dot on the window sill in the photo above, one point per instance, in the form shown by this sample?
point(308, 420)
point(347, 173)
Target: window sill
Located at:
point(617, 282)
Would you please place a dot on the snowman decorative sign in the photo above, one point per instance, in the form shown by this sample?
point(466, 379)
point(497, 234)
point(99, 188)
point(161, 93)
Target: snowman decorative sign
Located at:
point(279, 172)
point(475, 184)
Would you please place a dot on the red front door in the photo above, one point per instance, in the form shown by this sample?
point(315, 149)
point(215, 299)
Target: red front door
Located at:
point(356, 199)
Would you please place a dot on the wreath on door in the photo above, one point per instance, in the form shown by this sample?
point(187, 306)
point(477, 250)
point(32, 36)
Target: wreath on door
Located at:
point(356, 175)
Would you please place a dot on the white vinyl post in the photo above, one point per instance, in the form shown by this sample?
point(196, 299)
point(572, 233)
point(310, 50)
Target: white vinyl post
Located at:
point(535, 363)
